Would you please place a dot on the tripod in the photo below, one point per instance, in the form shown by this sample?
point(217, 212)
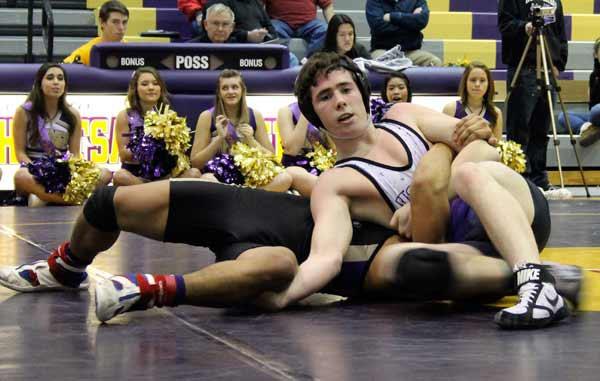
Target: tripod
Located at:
point(543, 59)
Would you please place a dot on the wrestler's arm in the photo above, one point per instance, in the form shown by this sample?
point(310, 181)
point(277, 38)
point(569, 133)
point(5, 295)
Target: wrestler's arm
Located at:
point(331, 237)
point(441, 128)
point(430, 209)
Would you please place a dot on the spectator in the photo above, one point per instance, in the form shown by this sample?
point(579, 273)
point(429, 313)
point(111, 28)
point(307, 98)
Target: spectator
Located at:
point(219, 25)
point(228, 122)
point(396, 88)
point(400, 22)
point(588, 123)
point(341, 38)
point(147, 91)
point(301, 140)
point(192, 9)
point(113, 17)
point(476, 92)
point(298, 18)
point(252, 22)
point(528, 113)
point(46, 126)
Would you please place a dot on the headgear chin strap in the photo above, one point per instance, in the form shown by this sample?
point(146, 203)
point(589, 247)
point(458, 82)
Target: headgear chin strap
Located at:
point(361, 80)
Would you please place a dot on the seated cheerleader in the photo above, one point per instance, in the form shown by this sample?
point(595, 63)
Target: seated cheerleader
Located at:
point(147, 91)
point(307, 152)
point(231, 144)
point(476, 92)
point(47, 130)
point(396, 89)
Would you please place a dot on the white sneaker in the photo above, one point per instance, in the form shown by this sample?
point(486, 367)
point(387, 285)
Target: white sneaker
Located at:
point(35, 277)
point(539, 303)
point(114, 296)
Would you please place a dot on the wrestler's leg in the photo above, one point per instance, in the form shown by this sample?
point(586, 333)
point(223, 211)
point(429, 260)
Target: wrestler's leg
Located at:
point(501, 199)
point(225, 284)
point(237, 282)
point(459, 272)
point(135, 209)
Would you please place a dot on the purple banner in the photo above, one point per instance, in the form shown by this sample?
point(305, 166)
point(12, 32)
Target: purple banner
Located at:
point(160, 3)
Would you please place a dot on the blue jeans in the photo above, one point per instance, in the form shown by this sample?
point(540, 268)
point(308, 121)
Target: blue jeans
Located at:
point(579, 118)
point(313, 32)
point(528, 122)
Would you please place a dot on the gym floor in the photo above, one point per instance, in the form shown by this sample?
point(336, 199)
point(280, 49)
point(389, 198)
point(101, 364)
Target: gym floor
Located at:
point(56, 336)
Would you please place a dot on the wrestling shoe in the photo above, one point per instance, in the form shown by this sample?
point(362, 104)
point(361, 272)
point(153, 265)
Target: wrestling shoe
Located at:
point(115, 296)
point(539, 303)
point(568, 279)
point(35, 277)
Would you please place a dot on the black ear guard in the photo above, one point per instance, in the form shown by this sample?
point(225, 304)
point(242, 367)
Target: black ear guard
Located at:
point(361, 80)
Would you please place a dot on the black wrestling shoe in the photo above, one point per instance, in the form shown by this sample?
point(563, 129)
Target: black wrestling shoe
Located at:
point(539, 302)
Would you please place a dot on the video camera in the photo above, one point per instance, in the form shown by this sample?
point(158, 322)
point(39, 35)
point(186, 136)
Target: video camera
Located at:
point(541, 13)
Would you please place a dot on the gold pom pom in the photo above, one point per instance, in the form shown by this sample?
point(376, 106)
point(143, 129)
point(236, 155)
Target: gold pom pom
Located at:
point(84, 177)
point(258, 167)
point(322, 158)
point(164, 124)
point(512, 155)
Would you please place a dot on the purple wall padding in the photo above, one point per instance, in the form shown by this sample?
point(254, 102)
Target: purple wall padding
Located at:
point(597, 6)
point(173, 20)
point(19, 77)
point(485, 26)
point(474, 5)
point(160, 3)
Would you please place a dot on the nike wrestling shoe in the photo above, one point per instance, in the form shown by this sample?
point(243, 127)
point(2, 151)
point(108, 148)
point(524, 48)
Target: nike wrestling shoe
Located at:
point(569, 280)
point(115, 296)
point(539, 302)
point(35, 277)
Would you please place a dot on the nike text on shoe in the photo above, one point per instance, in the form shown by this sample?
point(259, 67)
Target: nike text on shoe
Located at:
point(35, 277)
point(114, 296)
point(539, 303)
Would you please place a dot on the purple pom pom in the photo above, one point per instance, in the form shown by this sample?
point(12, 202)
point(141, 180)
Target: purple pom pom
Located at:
point(378, 109)
point(51, 172)
point(155, 161)
point(299, 161)
point(223, 167)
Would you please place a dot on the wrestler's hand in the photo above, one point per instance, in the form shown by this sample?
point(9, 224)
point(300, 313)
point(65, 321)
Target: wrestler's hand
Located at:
point(245, 131)
point(401, 221)
point(473, 127)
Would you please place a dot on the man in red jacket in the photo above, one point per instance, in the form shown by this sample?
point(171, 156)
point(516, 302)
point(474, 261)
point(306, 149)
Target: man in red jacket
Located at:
point(193, 10)
point(298, 19)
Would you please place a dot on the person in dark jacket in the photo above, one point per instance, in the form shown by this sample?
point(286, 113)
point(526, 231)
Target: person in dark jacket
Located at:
point(528, 113)
point(400, 22)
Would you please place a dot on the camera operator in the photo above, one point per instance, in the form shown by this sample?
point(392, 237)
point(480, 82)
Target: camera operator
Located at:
point(528, 114)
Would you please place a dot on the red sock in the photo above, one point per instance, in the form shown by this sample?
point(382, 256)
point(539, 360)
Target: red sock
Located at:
point(157, 290)
point(65, 267)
